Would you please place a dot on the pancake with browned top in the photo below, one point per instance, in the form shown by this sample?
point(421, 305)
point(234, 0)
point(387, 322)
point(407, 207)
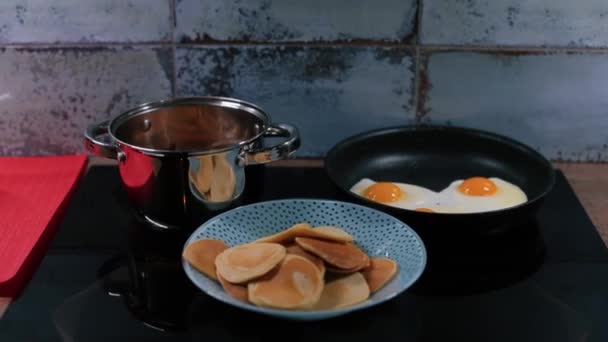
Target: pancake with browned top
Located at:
point(379, 273)
point(296, 284)
point(343, 292)
point(340, 255)
point(242, 263)
point(201, 255)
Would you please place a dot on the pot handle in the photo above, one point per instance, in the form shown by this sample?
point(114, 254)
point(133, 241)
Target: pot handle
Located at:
point(98, 147)
point(277, 152)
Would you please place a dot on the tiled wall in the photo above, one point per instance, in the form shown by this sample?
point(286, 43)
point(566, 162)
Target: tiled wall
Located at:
point(534, 70)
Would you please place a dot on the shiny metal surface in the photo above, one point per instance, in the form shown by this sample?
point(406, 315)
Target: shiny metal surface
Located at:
point(280, 151)
point(216, 179)
point(96, 146)
point(184, 160)
point(188, 128)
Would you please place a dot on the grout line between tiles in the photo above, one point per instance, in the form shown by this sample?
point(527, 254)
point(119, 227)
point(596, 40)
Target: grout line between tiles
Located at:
point(417, 119)
point(513, 49)
point(305, 44)
point(174, 76)
point(418, 27)
point(85, 45)
point(418, 21)
point(194, 45)
point(173, 13)
point(424, 48)
point(172, 4)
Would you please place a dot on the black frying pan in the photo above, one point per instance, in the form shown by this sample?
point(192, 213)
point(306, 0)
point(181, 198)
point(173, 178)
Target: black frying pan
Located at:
point(434, 156)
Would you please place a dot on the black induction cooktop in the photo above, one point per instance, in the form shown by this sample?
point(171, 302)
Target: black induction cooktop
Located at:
point(108, 277)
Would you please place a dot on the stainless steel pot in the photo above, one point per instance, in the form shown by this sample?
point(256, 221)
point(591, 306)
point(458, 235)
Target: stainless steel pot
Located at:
point(185, 157)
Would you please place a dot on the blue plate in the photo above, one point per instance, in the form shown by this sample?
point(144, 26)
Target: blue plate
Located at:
point(377, 233)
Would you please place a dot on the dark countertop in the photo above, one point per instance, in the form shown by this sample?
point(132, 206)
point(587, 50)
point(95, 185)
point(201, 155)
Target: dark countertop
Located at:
point(99, 251)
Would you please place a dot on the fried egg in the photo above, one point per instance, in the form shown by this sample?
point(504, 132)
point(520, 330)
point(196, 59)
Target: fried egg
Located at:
point(478, 194)
point(399, 195)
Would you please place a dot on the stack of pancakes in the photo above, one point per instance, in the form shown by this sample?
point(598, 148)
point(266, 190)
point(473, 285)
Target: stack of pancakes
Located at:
point(300, 268)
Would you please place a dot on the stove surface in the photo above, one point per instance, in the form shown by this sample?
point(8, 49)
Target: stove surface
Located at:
point(107, 276)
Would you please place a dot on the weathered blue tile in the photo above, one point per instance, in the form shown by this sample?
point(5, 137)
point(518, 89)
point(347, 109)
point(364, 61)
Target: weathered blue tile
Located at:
point(49, 96)
point(514, 22)
point(329, 93)
point(290, 20)
point(556, 103)
point(43, 21)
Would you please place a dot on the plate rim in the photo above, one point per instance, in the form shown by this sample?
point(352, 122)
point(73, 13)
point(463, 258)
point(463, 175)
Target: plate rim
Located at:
point(296, 314)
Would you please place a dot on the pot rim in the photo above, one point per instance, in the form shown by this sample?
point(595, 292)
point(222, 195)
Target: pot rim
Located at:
point(221, 101)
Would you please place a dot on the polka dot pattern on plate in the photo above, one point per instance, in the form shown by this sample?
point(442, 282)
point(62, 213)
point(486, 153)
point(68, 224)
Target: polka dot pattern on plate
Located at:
point(377, 233)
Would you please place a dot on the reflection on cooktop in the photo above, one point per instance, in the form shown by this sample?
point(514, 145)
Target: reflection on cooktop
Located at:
point(482, 265)
point(150, 279)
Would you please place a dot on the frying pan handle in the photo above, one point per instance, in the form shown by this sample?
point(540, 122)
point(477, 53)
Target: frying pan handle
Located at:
point(281, 151)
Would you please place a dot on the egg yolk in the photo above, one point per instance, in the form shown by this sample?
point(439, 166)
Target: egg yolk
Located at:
point(478, 186)
point(424, 210)
point(384, 192)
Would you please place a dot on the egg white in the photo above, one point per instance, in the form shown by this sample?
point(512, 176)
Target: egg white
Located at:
point(451, 200)
point(415, 196)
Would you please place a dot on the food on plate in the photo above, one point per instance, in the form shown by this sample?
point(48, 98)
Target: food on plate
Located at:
point(400, 195)
point(304, 229)
point(201, 255)
point(343, 291)
point(288, 270)
point(379, 272)
point(287, 235)
point(471, 195)
point(297, 250)
point(296, 284)
point(332, 269)
point(235, 290)
point(242, 263)
point(479, 194)
point(339, 255)
point(332, 233)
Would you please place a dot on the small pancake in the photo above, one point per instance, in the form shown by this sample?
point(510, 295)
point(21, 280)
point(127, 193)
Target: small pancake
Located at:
point(332, 269)
point(201, 255)
point(340, 255)
point(297, 250)
point(287, 235)
point(379, 272)
point(343, 291)
point(235, 291)
point(242, 263)
point(333, 234)
point(305, 230)
point(296, 284)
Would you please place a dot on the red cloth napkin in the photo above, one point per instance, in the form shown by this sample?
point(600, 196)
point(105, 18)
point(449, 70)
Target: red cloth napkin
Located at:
point(34, 193)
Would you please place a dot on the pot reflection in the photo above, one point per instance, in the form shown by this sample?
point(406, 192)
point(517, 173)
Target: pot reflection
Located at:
point(139, 176)
point(150, 279)
point(214, 180)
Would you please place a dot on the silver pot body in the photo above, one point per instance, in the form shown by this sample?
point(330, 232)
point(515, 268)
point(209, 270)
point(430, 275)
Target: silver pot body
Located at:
point(183, 160)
